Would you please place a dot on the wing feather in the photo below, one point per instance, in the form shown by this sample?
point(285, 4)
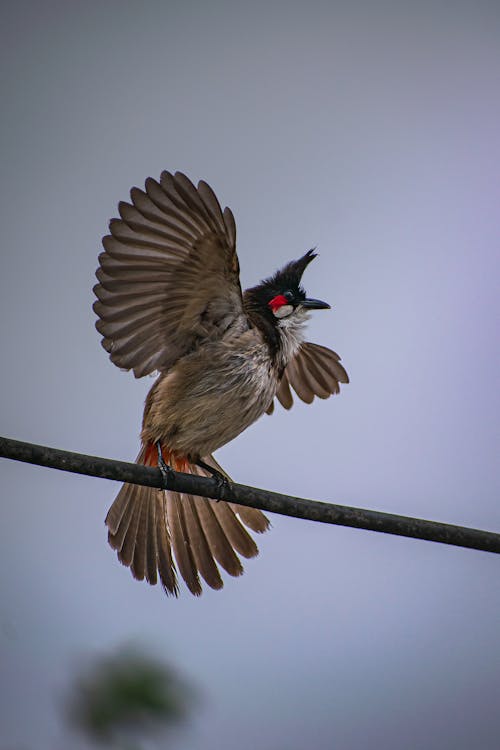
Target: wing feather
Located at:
point(314, 371)
point(168, 278)
point(298, 380)
point(230, 226)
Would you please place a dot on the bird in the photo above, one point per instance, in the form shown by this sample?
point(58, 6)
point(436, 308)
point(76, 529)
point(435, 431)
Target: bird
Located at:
point(169, 302)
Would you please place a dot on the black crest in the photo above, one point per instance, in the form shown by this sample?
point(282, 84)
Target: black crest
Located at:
point(287, 278)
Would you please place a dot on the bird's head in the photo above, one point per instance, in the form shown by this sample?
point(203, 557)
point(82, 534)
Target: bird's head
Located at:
point(281, 297)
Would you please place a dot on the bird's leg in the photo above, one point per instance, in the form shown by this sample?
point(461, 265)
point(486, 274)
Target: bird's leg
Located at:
point(166, 470)
point(222, 481)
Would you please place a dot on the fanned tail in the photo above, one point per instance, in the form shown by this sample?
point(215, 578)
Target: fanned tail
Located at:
point(157, 532)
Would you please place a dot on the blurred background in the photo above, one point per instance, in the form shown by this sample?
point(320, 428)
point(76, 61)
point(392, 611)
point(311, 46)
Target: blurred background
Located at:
point(372, 131)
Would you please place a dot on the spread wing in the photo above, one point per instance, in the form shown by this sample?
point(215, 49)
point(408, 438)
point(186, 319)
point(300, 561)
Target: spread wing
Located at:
point(314, 371)
point(168, 276)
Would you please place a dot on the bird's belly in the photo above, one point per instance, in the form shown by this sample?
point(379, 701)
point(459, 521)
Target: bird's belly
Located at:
point(196, 408)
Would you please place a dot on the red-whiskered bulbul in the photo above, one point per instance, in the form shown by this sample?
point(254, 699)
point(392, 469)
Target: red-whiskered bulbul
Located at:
point(169, 300)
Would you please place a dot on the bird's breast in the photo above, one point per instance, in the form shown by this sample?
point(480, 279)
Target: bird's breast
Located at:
point(211, 395)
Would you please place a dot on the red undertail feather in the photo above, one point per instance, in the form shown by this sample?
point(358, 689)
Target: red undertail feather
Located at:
point(178, 463)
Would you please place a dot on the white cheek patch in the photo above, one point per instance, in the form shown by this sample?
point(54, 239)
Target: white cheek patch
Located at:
point(284, 311)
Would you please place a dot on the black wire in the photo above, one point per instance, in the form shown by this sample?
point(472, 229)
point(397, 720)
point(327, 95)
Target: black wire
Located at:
point(273, 502)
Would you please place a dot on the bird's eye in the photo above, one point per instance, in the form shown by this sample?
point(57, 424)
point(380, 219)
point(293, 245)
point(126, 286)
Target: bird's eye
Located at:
point(289, 295)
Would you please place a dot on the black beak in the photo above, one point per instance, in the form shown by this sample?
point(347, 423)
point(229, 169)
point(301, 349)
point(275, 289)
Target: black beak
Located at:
point(315, 304)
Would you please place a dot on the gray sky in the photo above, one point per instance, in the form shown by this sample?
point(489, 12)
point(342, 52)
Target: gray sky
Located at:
point(369, 130)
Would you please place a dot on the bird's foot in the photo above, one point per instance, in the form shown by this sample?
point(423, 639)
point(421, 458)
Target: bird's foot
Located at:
point(223, 483)
point(166, 471)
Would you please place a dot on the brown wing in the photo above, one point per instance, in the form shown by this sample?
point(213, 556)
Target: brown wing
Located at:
point(314, 371)
point(168, 276)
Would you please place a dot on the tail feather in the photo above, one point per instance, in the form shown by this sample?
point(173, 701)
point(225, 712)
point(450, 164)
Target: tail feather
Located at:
point(199, 545)
point(251, 517)
point(139, 562)
point(126, 554)
point(181, 543)
point(118, 509)
point(239, 539)
point(233, 530)
point(118, 533)
point(148, 527)
point(164, 561)
point(219, 544)
point(151, 542)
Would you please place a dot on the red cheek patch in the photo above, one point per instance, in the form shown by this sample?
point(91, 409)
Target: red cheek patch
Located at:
point(278, 302)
